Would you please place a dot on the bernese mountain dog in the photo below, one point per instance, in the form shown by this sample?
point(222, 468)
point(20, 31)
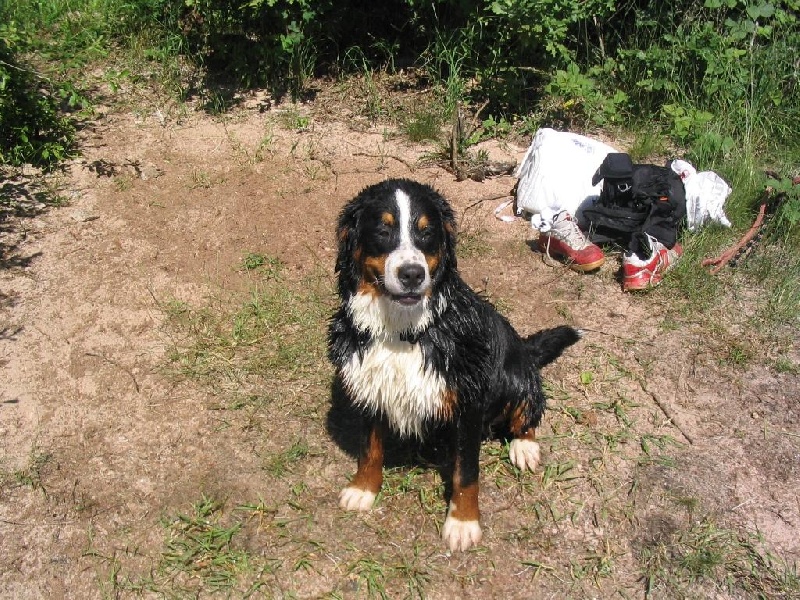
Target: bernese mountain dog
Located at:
point(418, 352)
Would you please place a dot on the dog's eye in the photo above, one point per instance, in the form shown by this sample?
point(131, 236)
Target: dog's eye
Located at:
point(384, 233)
point(425, 233)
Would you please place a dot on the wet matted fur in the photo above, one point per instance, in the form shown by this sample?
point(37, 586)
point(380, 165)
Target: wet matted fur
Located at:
point(417, 351)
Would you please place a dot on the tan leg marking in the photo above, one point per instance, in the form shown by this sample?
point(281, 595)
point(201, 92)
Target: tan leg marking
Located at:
point(462, 528)
point(366, 483)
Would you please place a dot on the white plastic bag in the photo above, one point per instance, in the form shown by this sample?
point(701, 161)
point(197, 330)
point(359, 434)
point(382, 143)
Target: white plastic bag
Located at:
point(706, 193)
point(556, 174)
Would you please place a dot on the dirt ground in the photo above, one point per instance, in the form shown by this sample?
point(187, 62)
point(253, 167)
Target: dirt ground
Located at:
point(655, 450)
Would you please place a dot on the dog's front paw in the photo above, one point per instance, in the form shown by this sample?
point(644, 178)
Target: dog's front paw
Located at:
point(524, 454)
point(353, 498)
point(461, 535)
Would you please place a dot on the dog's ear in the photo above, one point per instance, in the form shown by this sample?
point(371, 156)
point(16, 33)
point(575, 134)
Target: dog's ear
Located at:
point(450, 235)
point(346, 233)
point(346, 237)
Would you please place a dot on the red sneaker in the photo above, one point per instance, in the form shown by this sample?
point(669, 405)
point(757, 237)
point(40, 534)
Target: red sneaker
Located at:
point(566, 241)
point(638, 274)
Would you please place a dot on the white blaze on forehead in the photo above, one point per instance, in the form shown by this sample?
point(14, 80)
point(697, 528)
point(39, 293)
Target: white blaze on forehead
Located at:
point(405, 253)
point(404, 216)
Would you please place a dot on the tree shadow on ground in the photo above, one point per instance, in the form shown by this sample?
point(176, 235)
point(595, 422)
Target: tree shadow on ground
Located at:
point(20, 198)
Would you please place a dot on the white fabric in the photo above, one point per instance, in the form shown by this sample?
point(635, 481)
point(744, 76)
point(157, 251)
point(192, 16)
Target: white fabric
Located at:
point(706, 193)
point(556, 175)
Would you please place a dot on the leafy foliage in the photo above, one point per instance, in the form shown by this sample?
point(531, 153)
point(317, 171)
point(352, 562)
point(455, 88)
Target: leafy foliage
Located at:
point(32, 130)
point(716, 79)
point(727, 61)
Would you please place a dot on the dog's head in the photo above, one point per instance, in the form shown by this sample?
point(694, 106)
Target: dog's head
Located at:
point(396, 245)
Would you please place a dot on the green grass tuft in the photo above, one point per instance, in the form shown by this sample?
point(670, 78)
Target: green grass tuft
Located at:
point(276, 334)
point(720, 560)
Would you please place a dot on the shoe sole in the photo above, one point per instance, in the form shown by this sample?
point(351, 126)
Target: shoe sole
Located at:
point(638, 287)
point(580, 267)
point(586, 267)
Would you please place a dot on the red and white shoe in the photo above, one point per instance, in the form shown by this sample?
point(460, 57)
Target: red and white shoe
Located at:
point(565, 241)
point(641, 274)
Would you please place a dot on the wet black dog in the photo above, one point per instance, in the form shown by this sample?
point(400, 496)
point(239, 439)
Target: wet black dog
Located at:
point(419, 352)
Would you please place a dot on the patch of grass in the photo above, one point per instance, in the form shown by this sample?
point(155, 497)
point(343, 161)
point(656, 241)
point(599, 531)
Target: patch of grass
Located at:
point(270, 266)
point(762, 282)
point(720, 559)
point(260, 511)
point(425, 125)
point(474, 244)
point(415, 482)
point(276, 335)
point(784, 365)
point(281, 463)
point(737, 354)
point(292, 119)
point(379, 578)
point(554, 472)
point(596, 565)
point(31, 475)
point(250, 155)
point(200, 179)
point(123, 183)
point(444, 61)
point(371, 576)
point(619, 406)
point(199, 552)
point(647, 144)
point(364, 84)
point(201, 556)
point(414, 575)
point(774, 269)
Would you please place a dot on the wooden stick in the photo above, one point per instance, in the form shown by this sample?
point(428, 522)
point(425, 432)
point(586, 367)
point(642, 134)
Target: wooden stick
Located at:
point(726, 256)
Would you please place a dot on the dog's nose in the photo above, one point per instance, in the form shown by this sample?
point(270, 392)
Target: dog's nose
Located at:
point(411, 276)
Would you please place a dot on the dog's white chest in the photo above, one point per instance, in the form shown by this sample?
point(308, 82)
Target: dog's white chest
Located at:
point(391, 379)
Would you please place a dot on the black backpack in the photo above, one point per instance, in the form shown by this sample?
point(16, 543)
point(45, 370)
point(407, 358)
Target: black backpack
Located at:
point(636, 199)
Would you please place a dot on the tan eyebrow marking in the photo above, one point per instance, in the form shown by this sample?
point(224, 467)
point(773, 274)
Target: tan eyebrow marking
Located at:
point(387, 219)
point(423, 222)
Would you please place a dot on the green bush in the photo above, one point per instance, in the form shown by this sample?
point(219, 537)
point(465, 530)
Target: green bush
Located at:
point(714, 76)
point(32, 130)
point(729, 62)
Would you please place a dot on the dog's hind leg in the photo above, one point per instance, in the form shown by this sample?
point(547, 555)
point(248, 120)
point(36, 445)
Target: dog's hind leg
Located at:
point(366, 483)
point(524, 451)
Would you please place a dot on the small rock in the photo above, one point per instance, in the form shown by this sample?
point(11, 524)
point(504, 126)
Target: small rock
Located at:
point(82, 216)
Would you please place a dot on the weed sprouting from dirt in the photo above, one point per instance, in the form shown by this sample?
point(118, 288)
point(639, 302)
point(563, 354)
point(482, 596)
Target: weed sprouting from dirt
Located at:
point(424, 125)
point(31, 474)
point(199, 547)
point(276, 334)
point(279, 464)
point(719, 559)
point(200, 555)
point(473, 244)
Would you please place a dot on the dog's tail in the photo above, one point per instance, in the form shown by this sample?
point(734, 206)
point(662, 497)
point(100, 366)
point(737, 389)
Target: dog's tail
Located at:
point(547, 345)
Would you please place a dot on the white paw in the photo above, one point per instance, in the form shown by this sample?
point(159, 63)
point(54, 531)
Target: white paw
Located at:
point(353, 498)
point(461, 535)
point(524, 454)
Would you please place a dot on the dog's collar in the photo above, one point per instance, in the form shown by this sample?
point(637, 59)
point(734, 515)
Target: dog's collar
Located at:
point(412, 337)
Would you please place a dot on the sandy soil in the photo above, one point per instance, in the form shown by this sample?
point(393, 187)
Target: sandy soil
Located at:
point(101, 443)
